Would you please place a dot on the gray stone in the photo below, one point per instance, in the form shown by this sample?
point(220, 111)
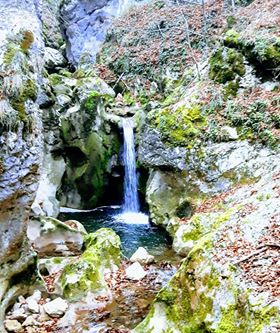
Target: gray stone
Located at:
point(53, 59)
point(86, 24)
point(142, 256)
point(154, 153)
point(32, 305)
point(53, 237)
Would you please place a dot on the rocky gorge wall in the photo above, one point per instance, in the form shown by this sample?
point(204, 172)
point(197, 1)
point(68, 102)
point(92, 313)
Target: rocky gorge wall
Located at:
point(209, 140)
point(21, 47)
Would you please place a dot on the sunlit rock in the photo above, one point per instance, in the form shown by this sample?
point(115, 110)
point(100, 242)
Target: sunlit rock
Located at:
point(85, 274)
point(142, 256)
point(13, 326)
point(53, 237)
point(56, 308)
point(135, 272)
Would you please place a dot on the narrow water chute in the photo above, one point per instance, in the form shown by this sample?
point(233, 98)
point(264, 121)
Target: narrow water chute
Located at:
point(131, 199)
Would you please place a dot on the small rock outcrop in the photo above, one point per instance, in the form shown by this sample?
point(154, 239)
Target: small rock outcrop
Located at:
point(86, 24)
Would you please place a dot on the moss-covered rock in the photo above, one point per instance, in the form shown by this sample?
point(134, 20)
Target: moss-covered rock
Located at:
point(261, 50)
point(205, 297)
point(179, 126)
point(86, 274)
point(226, 65)
point(89, 140)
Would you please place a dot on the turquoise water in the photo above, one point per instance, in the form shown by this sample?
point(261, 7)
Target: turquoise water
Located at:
point(154, 239)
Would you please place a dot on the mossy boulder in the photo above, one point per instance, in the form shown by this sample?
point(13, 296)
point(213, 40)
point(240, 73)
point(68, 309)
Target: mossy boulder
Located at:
point(205, 297)
point(86, 274)
point(262, 51)
point(179, 126)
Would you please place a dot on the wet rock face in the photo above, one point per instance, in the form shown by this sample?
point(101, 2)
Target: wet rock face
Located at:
point(85, 26)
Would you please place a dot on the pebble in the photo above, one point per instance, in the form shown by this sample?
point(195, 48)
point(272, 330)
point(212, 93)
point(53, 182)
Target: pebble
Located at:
point(13, 326)
point(142, 256)
point(32, 305)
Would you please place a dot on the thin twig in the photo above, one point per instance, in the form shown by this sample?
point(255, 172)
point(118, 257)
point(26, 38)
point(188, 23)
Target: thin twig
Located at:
point(262, 248)
point(249, 256)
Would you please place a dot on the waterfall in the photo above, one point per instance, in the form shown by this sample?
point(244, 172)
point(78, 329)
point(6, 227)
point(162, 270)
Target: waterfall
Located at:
point(131, 200)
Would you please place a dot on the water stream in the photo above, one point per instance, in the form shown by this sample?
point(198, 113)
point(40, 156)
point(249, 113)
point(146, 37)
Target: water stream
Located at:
point(131, 200)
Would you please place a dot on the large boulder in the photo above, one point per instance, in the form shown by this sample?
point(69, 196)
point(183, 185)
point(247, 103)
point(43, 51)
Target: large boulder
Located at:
point(51, 237)
point(227, 281)
point(205, 297)
point(85, 275)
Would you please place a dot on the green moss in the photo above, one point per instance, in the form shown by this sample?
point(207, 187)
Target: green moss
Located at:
point(91, 102)
point(229, 322)
point(9, 54)
point(232, 39)
point(179, 127)
point(226, 65)
point(19, 106)
point(267, 51)
point(86, 274)
point(231, 89)
point(189, 303)
point(128, 99)
point(55, 79)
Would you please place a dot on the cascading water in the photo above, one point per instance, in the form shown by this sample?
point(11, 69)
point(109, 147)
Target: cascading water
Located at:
point(131, 200)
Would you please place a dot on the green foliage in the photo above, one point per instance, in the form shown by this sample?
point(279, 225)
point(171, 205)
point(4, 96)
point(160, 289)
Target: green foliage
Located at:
point(226, 65)
point(91, 102)
point(179, 127)
point(261, 51)
point(128, 99)
point(232, 39)
point(254, 122)
point(267, 51)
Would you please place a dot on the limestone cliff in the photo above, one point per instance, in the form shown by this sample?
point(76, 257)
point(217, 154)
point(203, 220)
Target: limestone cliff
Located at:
point(20, 136)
